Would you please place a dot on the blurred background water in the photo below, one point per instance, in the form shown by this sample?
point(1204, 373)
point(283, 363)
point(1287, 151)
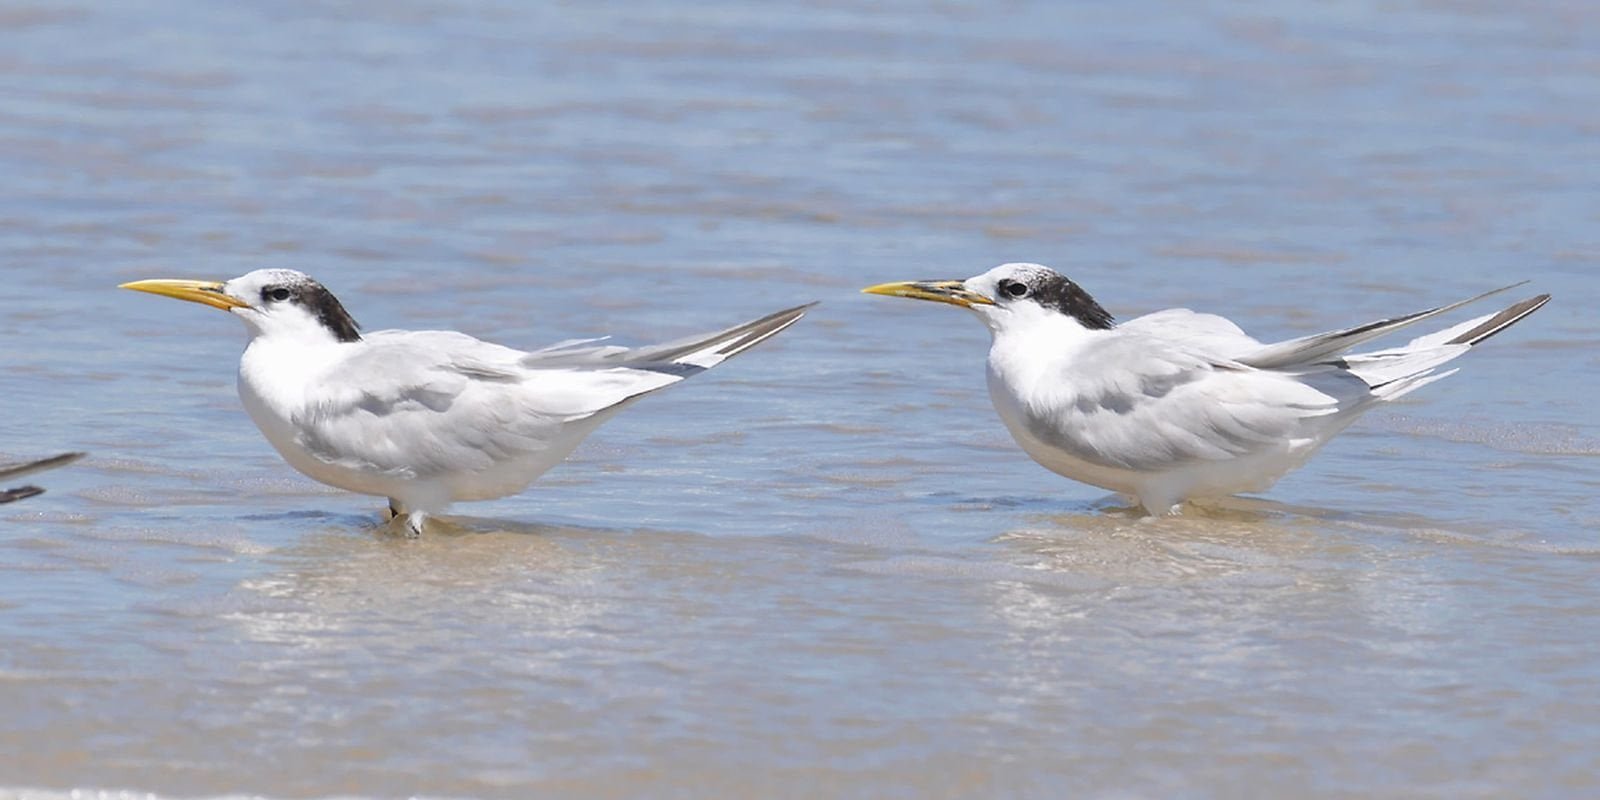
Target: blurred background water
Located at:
point(822, 569)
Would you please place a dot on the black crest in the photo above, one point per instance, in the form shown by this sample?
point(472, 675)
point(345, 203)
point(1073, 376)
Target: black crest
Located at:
point(315, 298)
point(1055, 292)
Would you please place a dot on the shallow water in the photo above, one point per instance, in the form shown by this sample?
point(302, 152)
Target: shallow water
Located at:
point(823, 569)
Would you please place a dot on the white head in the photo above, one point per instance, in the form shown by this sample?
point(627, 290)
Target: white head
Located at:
point(1011, 296)
point(280, 303)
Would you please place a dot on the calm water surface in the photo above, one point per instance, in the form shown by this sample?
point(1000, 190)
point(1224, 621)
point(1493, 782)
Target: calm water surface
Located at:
point(823, 569)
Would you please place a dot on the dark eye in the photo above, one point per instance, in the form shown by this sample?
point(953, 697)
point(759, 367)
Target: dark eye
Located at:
point(1011, 288)
point(276, 294)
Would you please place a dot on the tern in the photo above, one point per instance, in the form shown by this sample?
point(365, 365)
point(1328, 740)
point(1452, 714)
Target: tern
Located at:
point(9, 472)
point(1178, 405)
point(427, 418)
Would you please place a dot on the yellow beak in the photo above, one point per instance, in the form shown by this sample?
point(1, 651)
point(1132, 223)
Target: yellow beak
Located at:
point(952, 292)
point(206, 292)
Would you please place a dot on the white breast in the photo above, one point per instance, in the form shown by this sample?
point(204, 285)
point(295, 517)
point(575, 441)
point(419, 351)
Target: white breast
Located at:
point(276, 383)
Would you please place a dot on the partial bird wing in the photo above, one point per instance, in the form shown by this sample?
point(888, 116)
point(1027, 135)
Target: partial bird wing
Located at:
point(1205, 333)
point(14, 471)
point(429, 402)
point(1320, 346)
point(1143, 403)
point(19, 493)
point(421, 403)
point(680, 357)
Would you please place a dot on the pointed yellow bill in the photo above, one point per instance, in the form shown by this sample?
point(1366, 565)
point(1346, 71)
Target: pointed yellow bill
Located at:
point(952, 292)
point(205, 292)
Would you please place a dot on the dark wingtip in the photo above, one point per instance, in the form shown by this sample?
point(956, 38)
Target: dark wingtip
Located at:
point(758, 331)
point(9, 471)
point(19, 493)
point(788, 316)
point(62, 460)
point(1499, 322)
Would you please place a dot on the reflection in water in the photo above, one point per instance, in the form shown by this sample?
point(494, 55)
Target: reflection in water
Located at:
point(540, 582)
point(1133, 549)
point(1222, 619)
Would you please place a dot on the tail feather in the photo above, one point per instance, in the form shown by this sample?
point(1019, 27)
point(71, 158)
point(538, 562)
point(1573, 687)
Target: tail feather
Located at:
point(1404, 386)
point(1384, 370)
point(1398, 371)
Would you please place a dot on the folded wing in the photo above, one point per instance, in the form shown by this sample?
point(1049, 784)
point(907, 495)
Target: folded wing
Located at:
point(1140, 403)
point(432, 402)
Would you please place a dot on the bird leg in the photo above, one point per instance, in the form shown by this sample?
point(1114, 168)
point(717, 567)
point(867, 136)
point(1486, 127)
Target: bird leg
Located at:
point(414, 523)
point(414, 520)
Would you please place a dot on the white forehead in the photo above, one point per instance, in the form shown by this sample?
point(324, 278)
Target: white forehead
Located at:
point(253, 282)
point(1017, 270)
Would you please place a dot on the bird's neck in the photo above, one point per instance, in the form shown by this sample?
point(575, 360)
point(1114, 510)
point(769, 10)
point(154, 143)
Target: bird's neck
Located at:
point(281, 371)
point(1039, 350)
point(1042, 330)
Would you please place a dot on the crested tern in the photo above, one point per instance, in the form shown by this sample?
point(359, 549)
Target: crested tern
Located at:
point(427, 418)
point(1177, 405)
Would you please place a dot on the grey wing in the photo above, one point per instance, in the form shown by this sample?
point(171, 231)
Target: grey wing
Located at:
point(1145, 404)
point(424, 403)
point(1204, 333)
point(428, 402)
point(1320, 346)
point(681, 357)
point(581, 377)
